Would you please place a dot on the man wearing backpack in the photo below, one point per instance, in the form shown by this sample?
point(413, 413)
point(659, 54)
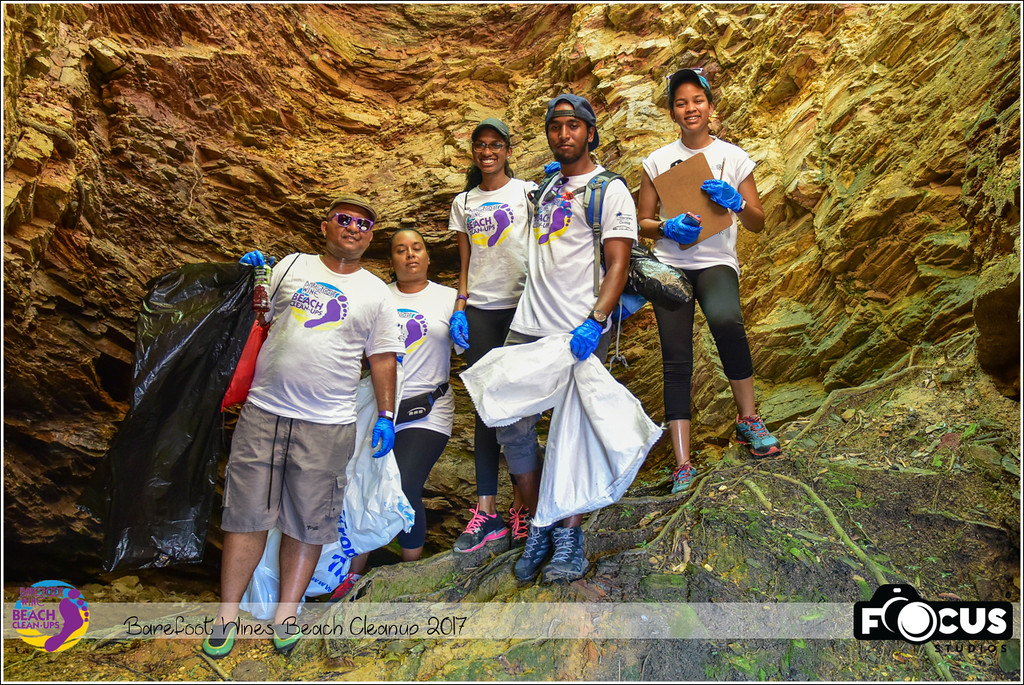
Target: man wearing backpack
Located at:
point(568, 290)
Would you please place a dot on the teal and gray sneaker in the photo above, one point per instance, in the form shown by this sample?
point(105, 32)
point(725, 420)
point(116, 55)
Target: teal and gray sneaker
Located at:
point(682, 477)
point(751, 431)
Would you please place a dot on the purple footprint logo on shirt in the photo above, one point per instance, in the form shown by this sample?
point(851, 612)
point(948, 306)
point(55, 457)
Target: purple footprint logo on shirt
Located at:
point(503, 220)
point(332, 312)
point(560, 219)
point(414, 325)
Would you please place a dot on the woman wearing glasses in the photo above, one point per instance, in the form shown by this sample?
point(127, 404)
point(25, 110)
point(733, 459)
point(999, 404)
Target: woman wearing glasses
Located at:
point(426, 410)
point(491, 222)
point(712, 266)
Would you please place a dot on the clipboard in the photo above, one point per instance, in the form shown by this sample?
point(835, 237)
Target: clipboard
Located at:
point(679, 191)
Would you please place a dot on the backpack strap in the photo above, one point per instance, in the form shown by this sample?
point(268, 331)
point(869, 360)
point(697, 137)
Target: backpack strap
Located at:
point(593, 206)
point(540, 191)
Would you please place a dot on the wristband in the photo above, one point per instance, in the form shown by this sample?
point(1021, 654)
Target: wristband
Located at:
point(464, 298)
point(661, 229)
point(385, 414)
point(743, 205)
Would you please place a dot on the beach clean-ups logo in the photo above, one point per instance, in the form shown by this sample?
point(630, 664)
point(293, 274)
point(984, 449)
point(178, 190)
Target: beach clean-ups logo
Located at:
point(488, 224)
point(412, 329)
point(319, 305)
point(897, 612)
point(552, 218)
point(50, 615)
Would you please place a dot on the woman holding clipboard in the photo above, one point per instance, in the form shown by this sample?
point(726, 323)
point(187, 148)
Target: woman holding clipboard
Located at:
point(707, 255)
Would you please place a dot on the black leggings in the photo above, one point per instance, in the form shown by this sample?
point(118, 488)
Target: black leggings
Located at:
point(717, 289)
point(487, 330)
point(416, 451)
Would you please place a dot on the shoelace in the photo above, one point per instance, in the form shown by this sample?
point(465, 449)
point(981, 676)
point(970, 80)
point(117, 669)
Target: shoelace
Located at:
point(688, 468)
point(518, 521)
point(563, 552)
point(344, 588)
point(757, 425)
point(532, 543)
point(475, 522)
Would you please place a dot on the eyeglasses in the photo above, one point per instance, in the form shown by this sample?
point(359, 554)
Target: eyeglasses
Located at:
point(696, 70)
point(344, 220)
point(496, 146)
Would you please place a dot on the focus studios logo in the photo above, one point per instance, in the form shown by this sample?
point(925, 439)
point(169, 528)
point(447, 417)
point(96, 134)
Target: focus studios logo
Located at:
point(897, 612)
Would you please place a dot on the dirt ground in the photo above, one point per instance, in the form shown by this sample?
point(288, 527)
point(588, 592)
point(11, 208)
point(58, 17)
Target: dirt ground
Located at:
point(912, 479)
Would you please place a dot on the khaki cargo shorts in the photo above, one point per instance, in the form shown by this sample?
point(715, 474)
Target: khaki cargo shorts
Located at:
point(286, 473)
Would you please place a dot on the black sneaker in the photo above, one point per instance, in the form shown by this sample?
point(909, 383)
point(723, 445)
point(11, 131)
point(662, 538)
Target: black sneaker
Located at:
point(538, 547)
point(482, 528)
point(568, 562)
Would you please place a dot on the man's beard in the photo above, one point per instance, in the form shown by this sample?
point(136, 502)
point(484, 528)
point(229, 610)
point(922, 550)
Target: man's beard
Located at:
point(563, 159)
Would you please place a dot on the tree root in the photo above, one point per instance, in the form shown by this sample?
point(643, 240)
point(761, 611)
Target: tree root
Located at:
point(64, 143)
point(213, 664)
point(933, 656)
point(757, 492)
point(953, 517)
point(844, 393)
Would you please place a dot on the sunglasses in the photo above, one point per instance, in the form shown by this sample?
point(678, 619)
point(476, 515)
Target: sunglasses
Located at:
point(344, 220)
point(496, 146)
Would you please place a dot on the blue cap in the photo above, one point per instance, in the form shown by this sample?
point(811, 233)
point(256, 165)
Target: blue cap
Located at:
point(694, 76)
point(573, 106)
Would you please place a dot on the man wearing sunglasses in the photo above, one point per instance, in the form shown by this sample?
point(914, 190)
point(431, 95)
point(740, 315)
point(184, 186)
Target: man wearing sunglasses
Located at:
point(559, 298)
point(297, 430)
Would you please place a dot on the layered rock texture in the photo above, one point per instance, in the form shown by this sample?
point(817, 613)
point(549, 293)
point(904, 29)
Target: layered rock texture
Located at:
point(138, 138)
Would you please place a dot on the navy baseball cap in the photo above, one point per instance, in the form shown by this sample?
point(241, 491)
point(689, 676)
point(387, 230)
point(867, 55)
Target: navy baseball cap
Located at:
point(694, 76)
point(567, 105)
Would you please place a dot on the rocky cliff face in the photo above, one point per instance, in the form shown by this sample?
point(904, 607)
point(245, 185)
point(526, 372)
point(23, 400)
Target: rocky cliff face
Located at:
point(138, 138)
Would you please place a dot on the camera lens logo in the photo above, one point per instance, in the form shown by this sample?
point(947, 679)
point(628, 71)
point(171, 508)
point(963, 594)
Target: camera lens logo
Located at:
point(897, 612)
point(51, 615)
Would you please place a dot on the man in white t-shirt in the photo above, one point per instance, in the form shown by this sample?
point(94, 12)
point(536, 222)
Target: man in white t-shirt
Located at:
point(296, 431)
point(559, 298)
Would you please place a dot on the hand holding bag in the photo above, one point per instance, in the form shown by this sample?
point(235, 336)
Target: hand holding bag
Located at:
point(238, 389)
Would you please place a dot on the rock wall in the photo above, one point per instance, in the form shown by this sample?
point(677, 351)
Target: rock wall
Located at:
point(140, 137)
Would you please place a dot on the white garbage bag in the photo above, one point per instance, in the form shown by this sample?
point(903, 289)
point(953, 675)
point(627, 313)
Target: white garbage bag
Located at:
point(509, 383)
point(374, 510)
point(599, 434)
point(598, 440)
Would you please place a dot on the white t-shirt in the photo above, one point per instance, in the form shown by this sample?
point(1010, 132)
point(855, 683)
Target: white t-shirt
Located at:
point(497, 223)
point(423, 329)
point(323, 323)
point(721, 247)
point(559, 292)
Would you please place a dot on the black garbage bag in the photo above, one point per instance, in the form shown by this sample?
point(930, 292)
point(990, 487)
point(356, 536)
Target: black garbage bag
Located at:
point(154, 489)
point(656, 281)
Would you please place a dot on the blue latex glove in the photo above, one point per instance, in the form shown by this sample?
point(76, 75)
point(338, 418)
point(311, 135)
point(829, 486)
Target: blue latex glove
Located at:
point(683, 229)
point(458, 328)
point(723, 194)
point(552, 167)
point(585, 338)
point(383, 433)
point(256, 258)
